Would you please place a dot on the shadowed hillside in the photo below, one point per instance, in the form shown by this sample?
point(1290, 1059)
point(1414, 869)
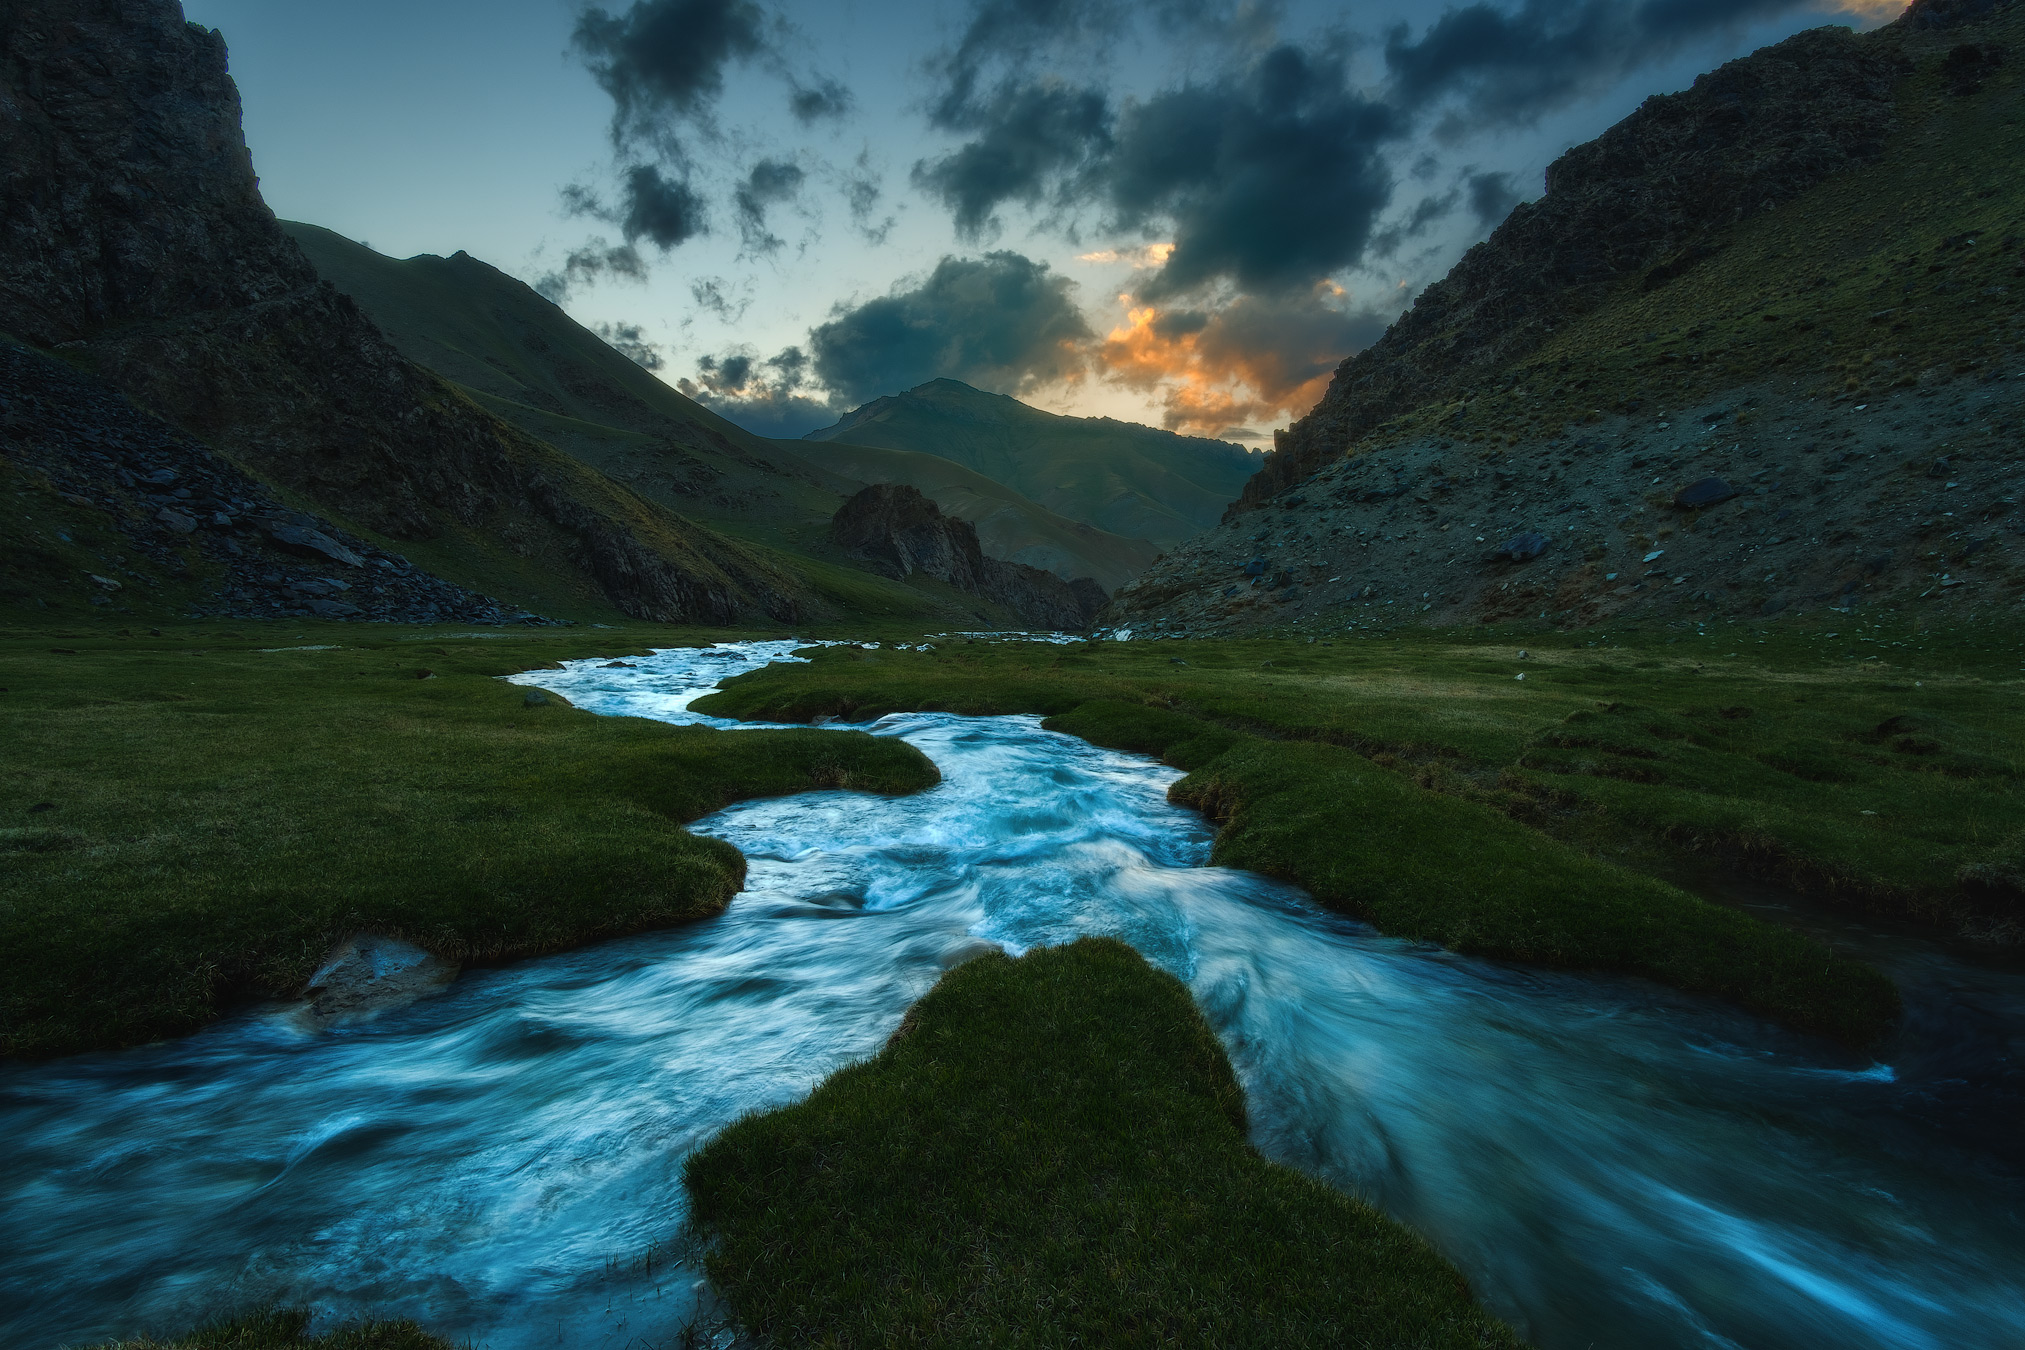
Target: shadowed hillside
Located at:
point(1757, 350)
point(1119, 476)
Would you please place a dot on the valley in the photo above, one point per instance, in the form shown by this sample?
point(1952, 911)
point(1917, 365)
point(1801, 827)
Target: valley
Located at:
point(496, 852)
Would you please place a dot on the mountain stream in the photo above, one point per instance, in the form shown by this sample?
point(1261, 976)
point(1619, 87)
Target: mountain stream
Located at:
point(1610, 1163)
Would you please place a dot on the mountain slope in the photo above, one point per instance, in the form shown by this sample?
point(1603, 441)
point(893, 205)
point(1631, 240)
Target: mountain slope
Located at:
point(1816, 404)
point(136, 240)
point(1008, 525)
point(525, 359)
point(1128, 479)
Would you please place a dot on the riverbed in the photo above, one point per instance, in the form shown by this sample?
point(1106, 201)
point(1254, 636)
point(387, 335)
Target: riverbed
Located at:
point(1609, 1162)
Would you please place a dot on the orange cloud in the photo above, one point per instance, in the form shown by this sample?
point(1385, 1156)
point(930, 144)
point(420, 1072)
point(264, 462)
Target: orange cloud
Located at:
point(1878, 11)
point(1153, 255)
point(1251, 361)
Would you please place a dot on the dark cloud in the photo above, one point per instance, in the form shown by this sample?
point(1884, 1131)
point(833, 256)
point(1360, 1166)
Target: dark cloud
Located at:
point(771, 181)
point(630, 341)
point(1026, 137)
point(1268, 179)
point(652, 206)
point(1492, 196)
point(1513, 65)
point(767, 397)
point(664, 210)
point(590, 264)
point(862, 193)
point(811, 103)
point(1001, 322)
point(714, 294)
point(663, 61)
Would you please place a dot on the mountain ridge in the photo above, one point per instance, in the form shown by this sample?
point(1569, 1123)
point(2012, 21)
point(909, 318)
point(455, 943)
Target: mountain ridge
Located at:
point(1132, 480)
point(1822, 410)
point(522, 357)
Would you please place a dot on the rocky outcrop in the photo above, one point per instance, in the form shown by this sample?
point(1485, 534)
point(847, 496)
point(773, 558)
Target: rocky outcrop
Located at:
point(135, 239)
point(176, 503)
point(896, 530)
point(1641, 200)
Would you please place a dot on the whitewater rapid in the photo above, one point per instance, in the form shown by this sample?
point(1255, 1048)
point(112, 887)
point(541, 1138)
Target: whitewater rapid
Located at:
point(1608, 1162)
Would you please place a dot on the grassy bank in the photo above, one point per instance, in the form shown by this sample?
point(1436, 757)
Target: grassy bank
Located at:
point(288, 1329)
point(1876, 768)
point(191, 818)
point(1051, 1152)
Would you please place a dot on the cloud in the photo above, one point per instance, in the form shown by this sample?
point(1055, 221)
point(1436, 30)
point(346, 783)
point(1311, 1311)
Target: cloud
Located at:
point(1256, 359)
point(663, 62)
point(770, 181)
point(862, 193)
point(714, 294)
point(811, 103)
point(1139, 259)
point(1498, 65)
point(1027, 137)
point(1002, 322)
point(1268, 179)
point(589, 264)
point(1492, 197)
point(664, 210)
point(630, 341)
point(766, 397)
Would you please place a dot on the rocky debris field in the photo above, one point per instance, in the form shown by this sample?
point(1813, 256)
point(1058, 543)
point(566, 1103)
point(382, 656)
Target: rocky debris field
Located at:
point(187, 512)
point(1760, 502)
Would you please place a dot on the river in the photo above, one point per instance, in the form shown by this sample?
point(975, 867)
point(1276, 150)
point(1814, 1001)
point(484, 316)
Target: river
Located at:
point(1609, 1162)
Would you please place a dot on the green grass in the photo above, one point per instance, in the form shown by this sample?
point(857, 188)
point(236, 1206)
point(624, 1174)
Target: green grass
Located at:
point(1878, 769)
point(1051, 1152)
point(189, 819)
point(288, 1329)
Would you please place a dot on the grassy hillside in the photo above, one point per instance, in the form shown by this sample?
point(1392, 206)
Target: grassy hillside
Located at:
point(523, 358)
point(1128, 479)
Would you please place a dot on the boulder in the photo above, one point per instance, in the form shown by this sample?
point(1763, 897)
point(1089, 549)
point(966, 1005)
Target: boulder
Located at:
point(1707, 492)
point(310, 543)
point(1521, 547)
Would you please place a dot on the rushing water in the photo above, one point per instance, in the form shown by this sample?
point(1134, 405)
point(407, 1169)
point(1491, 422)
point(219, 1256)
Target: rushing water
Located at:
point(1610, 1163)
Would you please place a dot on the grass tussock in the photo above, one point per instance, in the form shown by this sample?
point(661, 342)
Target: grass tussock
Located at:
point(190, 819)
point(288, 1329)
point(1051, 1152)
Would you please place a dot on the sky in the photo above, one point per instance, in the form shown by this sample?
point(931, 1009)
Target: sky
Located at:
point(1177, 212)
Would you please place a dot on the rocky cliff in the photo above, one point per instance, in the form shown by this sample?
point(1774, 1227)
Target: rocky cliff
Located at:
point(1642, 200)
point(1690, 413)
point(897, 531)
point(136, 243)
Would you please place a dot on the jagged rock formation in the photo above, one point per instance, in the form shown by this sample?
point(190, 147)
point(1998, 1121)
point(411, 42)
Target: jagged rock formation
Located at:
point(133, 236)
point(898, 531)
point(1849, 367)
point(1641, 199)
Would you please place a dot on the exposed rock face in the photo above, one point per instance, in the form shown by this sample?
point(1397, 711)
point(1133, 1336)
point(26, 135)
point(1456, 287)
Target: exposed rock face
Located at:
point(1640, 198)
point(899, 531)
point(134, 233)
